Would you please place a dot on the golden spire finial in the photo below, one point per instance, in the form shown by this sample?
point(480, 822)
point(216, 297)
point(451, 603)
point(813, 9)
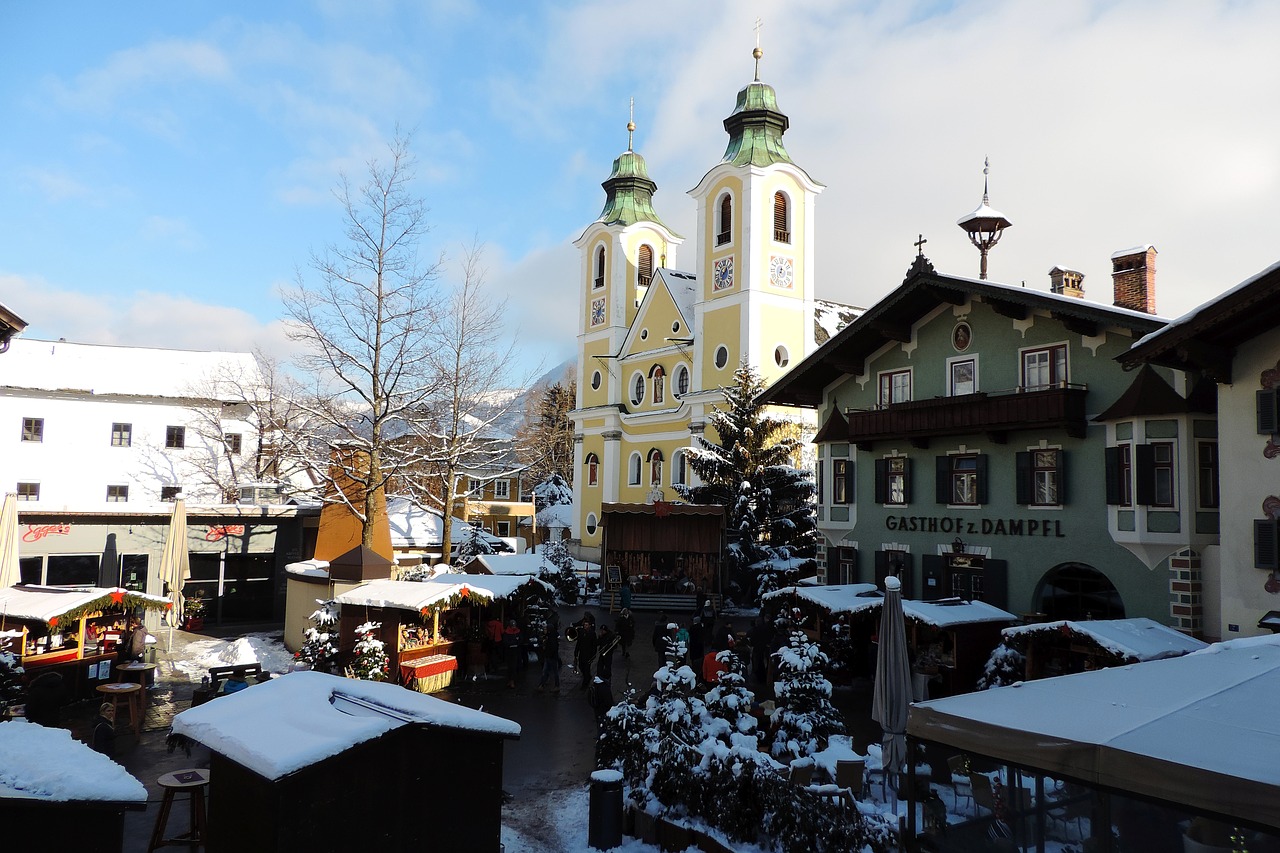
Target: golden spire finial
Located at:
point(631, 124)
point(757, 53)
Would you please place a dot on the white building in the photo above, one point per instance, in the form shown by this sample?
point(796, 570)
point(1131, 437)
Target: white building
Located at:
point(83, 425)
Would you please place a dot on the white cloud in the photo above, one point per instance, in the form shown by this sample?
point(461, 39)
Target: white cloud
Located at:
point(175, 231)
point(56, 184)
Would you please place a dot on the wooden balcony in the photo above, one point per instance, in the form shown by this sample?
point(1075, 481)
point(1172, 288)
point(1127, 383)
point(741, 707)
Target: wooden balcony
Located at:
point(995, 414)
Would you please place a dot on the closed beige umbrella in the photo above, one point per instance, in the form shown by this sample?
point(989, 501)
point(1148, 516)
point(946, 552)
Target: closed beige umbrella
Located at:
point(891, 699)
point(175, 564)
point(9, 572)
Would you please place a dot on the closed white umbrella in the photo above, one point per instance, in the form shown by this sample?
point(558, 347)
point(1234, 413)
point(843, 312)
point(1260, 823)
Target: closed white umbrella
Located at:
point(175, 565)
point(891, 700)
point(9, 573)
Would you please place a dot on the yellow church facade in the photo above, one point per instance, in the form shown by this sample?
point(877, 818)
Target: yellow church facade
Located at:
point(657, 343)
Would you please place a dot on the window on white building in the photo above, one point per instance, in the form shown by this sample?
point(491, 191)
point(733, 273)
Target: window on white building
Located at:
point(121, 435)
point(28, 491)
point(169, 494)
point(175, 437)
point(117, 494)
point(33, 429)
point(234, 441)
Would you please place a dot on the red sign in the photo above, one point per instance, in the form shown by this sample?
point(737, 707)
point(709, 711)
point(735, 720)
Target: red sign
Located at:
point(36, 532)
point(222, 531)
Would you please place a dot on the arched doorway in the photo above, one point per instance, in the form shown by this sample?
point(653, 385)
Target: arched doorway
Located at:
point(1076, 591)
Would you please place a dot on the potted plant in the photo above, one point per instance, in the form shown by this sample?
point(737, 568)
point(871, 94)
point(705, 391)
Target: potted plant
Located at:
point(193, 614)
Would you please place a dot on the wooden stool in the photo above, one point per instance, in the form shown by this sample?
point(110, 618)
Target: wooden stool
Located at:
point(131, 692)
point(193, 781)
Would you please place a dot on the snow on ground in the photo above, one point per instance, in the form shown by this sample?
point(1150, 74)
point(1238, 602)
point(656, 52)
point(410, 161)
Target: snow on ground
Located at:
point(265, 648)
point(555, 823)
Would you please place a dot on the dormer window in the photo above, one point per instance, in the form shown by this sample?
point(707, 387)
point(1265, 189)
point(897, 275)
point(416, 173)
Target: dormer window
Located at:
point(724, 227)
point(781, 218)
point(599, 279)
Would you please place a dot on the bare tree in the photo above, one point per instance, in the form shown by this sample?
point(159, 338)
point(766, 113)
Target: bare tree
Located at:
point(473, 357)
point(366, 325)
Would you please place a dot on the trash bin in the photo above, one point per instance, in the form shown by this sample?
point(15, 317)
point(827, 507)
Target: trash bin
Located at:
point(604, 812)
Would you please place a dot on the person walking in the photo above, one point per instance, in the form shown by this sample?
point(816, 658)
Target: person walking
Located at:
point(511, 646)
point(626, 631)
point(660, 633)
point(587, 646)
point(624, 595)
point(551, 658)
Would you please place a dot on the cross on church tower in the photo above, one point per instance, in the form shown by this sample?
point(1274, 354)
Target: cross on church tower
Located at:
point(631, 124)
point(757, 53)
point(919, 244)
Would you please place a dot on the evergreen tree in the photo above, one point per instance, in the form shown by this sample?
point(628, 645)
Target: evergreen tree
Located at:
point(805, 717)
point(1005, 666)
point(561, 573)
point(475, 544)
point(320, 641)
point(771, 520)
point(11, 673)
point(370, 662)
point(676, 716)
point(730, 701)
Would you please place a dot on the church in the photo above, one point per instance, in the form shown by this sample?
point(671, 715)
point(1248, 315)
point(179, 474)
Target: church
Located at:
point(657, 341)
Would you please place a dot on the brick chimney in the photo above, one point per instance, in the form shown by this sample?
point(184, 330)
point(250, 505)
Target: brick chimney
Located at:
point(1066, 282)
point(1133, 272)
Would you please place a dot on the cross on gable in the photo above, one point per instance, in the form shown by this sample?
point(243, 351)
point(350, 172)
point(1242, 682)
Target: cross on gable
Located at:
point(919, 244)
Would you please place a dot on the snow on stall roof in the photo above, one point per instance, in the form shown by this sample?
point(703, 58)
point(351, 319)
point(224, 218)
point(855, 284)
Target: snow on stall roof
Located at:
point(1139, 638)
point(45, 602)
point(309, 568)
point(283, 725)
point(945, 614)
point(48, 764)
point(415, 595)
point(840, 598)
point(524, 564)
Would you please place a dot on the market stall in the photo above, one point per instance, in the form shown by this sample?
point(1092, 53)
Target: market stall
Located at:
point(427, 626)
point(1064, 647)
point(71, 630)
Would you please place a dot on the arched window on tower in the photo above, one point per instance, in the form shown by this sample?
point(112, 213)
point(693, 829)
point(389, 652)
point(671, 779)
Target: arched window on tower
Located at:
point(599, 279)
point(593, 469)
point(657, 376)
point(724, 227)
point(781, 218)
point(644, 270)
point(679, 468)
point(633, 470)
point(655, 467)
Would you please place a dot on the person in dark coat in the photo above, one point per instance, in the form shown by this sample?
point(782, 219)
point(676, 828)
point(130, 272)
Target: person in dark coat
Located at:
point(551, 657)
point(134, 646)
point(600, 698)
point(626, 631)
point(587, 646)
point(624, 595)
point(697, 633)
point(104, 730)
point(760, 637)
point(660, 634)
point(511, 648)
point(44, 698)
point(608, 645)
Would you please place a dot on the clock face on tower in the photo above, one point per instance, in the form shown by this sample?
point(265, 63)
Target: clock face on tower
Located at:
point(782, 271)
point(597, 311)
point(722, 274)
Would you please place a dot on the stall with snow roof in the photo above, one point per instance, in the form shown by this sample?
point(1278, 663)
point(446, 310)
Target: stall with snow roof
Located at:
point(426, 627)
point(56, 791)
point(1064, 647)
point(949, 640)
point(310, 761)
point(73, 631)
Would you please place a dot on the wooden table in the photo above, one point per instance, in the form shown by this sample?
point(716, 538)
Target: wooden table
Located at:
point(193, 780)
point(131, 692)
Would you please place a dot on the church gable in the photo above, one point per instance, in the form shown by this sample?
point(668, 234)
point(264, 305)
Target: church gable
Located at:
point(660, 315)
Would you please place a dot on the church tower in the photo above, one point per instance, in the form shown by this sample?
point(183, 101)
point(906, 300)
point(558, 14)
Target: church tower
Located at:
point(755, 247)
point(620, 252)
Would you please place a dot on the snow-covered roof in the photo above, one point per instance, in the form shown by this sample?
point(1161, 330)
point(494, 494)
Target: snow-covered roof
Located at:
point(48, 764)
point(414, 526)
point(415, 595)
point(45, 602)
point(309, 568)
point(525, 564)
point(839, 598)
point(1198, 730)
point(949, 614)
point(299, 719)
point(1136, 250)
point(1138, 638)
point(560, 515)
point(136, 371)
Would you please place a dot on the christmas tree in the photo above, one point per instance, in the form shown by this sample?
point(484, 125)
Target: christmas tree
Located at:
point(370, 662)
point(320, 641)
point(730, 701)
point(805, 717)
point(561, 573)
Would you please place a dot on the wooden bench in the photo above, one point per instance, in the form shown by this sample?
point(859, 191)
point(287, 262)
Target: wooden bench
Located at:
point(680, 604)
point(219, 674)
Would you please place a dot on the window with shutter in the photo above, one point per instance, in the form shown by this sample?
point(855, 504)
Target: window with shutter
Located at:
point(841, 481)
point(725, 226)
point(1268, 412)
point(781, 220)
point(1266, 544)
point(599, 279)
point(644, 266)
point(1145, 463)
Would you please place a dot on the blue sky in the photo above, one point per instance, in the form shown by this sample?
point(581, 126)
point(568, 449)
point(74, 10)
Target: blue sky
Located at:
point(166, 167)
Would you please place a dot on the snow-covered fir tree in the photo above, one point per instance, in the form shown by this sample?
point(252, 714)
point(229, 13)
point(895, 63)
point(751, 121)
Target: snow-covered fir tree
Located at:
point(1005, 666)
point(370, 662)
point(805, 717)
point(560, 572)
point(11, 673)
point(320, 641)
point(771, 523)
point(730, 700)
point(553, 490)
point(676, 718)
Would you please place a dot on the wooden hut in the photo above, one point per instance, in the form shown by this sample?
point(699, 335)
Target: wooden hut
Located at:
point(664, 548)
point(1063, 647)
point(57, 792)
point(310, 761)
